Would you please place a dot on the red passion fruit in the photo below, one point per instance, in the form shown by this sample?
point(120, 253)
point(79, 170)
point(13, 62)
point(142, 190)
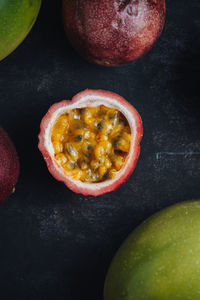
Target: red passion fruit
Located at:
point(92, 142)
point(113, 32)
point(9, 166)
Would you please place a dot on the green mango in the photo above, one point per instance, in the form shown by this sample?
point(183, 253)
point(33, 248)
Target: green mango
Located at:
point(160, 260)
point(16, 20)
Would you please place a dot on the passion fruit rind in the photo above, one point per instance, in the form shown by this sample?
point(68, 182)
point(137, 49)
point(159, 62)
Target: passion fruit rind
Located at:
point(91, 99)
point(9, 166)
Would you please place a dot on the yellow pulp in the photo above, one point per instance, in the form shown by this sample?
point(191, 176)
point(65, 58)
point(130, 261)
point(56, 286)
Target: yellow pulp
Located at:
point(91, 144)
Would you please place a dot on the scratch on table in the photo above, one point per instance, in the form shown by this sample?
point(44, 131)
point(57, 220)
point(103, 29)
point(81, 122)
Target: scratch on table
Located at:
point(188, 153)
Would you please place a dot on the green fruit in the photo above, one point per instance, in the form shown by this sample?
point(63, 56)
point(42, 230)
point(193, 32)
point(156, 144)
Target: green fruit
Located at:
point(160, 260)
point(16, 20)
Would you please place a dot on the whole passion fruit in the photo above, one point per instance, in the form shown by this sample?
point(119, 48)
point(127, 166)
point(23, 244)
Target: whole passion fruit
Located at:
point(16, 20)
point(9, 166)
point(91, 143)
point(113, 32)
point(160, 259)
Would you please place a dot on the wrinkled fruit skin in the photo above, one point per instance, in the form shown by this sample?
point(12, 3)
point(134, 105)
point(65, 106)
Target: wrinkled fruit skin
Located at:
point(160, 259)
point(16, 20)
point(113, 32)
point(88, 98)
point(9, 166)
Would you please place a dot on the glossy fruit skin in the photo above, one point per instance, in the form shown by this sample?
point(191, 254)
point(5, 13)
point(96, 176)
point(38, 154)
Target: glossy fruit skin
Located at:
point(113, 32)
point(9, 166)
point(16, 20)
point(160, 259)
point(88, 97)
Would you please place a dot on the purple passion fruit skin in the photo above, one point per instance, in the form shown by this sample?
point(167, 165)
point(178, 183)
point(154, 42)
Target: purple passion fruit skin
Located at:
point(113, 32)
point(9, 166)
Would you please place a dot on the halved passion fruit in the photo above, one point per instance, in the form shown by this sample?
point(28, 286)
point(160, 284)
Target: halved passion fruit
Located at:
point(92, 142)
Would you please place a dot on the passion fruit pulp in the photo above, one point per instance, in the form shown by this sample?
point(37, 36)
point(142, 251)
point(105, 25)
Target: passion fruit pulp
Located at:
point(92, 142)
point(113, 32)
point(9, 166)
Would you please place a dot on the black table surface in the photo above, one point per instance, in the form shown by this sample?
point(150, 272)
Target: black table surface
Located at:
point(55, 244)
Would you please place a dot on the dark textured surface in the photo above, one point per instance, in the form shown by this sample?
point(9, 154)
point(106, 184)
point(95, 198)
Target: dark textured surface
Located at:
point(55, 244)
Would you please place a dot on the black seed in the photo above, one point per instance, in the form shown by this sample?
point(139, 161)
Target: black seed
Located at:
point(119, 152)
point(89, 147)
point(78, 138)
point(100, 126)
point(106, 176)
point(115, 143)
point(82, 110)
point(87, 155)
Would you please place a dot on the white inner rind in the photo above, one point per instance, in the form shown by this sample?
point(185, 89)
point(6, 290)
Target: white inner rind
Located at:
point(91, 101)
